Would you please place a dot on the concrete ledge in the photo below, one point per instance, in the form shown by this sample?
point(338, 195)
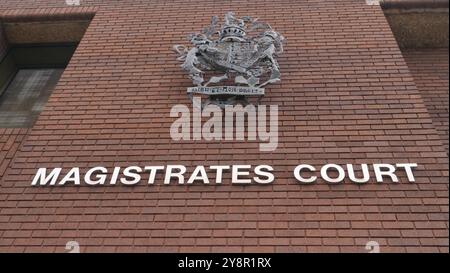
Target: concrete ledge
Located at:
point(56, 14)
point(45, 32)
point(414, 4)
point(418, 23)
point(60, 25)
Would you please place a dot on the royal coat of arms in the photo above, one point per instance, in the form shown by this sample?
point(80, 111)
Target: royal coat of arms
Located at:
point(243, 50)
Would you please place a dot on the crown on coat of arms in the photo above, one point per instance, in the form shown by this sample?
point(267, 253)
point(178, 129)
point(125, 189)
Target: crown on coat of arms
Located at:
point(233, 28)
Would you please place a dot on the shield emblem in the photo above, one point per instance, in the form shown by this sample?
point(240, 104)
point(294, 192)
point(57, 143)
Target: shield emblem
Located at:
point(248, 60)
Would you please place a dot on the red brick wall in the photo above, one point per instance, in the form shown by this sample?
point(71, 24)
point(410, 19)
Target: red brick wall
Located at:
point(10, 139)
point(346, 97)
point(430, 70)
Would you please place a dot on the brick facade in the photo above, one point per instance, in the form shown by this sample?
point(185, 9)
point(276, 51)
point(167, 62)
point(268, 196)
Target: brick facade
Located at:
point(347, 96)
point(430, 70)
point(10, 140)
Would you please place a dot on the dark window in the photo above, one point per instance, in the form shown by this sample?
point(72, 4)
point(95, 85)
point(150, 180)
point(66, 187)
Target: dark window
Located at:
point(29, 75)
point(26, 95)
point(34, 51)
